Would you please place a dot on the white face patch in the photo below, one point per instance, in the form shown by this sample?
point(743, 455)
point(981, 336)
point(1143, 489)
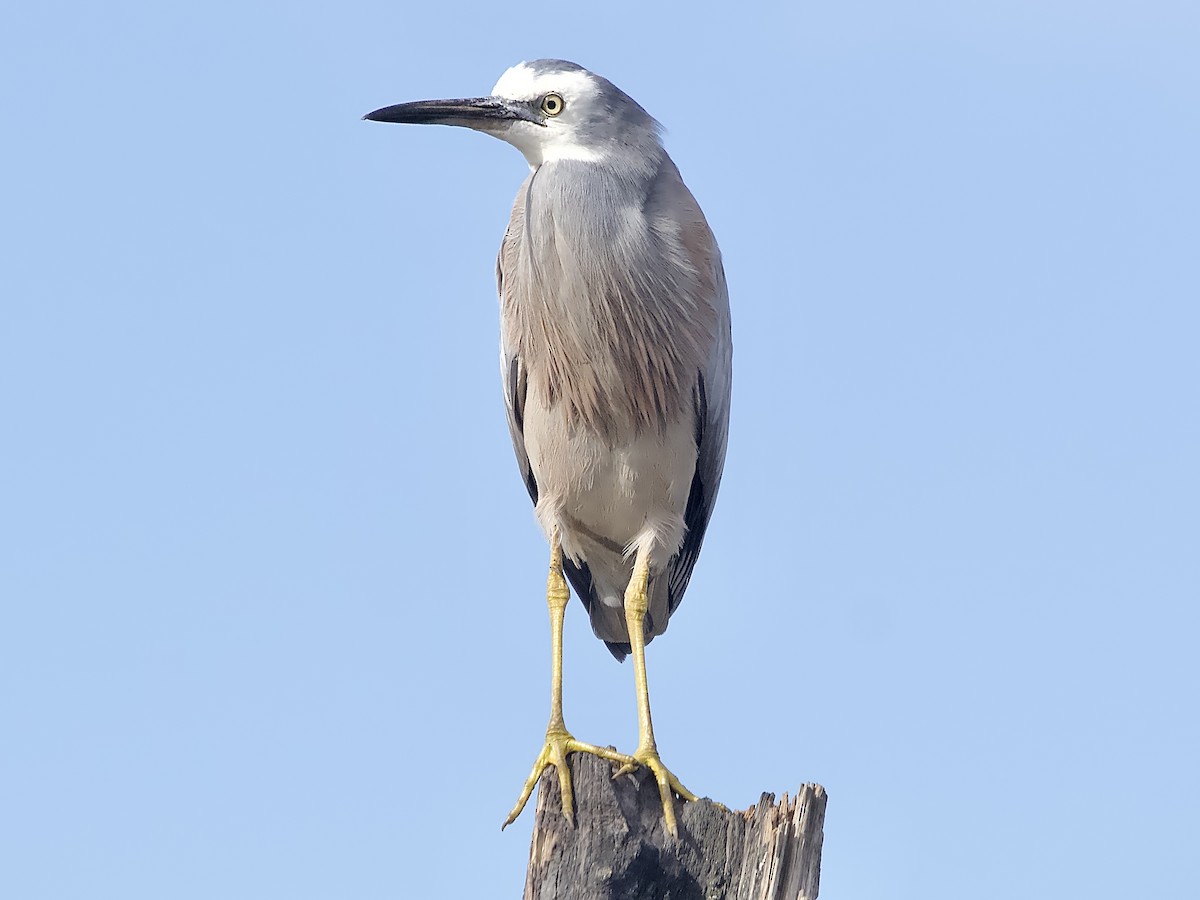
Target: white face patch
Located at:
point(516, 84)
point(559, 138)
point(522, 83)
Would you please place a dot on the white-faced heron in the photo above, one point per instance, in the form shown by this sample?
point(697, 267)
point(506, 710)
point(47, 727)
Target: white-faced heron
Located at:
point(615, 359)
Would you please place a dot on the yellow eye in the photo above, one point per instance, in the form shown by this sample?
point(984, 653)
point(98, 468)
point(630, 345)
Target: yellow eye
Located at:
point(552, 104)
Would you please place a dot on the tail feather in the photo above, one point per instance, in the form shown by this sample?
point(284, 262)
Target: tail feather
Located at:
point(608, 621)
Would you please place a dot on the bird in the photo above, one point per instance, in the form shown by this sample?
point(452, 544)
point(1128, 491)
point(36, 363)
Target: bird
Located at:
point(616, 364)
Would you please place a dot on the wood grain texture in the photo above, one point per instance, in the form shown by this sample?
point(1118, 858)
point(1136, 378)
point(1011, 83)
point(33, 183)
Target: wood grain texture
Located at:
point(619, 850)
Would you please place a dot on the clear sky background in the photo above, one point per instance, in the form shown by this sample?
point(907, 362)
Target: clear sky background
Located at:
point(272, 595)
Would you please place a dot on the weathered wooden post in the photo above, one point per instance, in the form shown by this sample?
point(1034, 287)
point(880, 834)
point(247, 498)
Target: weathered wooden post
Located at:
point(619, 850)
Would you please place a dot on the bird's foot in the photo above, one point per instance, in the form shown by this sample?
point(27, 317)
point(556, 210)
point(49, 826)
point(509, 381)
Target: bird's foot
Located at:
point(559, 742)
point(668, 784)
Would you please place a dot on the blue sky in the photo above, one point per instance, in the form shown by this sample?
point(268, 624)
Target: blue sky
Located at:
point(271, 590)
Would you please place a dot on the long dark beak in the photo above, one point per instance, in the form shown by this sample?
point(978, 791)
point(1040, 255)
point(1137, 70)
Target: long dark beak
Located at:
point(482, 113)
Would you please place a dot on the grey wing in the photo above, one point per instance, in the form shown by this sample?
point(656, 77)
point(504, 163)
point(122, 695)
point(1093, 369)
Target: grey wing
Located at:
point(711, 393)
point(711, 396)
point(516, 384)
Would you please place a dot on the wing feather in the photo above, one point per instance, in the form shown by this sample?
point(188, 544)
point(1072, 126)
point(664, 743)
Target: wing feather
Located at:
point(516, 386)
point(711, 394)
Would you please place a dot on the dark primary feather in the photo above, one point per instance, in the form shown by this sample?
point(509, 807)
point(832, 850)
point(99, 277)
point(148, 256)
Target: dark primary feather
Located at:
point(699, 509)
point(515, 398)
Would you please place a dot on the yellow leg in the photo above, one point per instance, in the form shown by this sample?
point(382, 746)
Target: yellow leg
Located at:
point(559, 741)
point(636, 605)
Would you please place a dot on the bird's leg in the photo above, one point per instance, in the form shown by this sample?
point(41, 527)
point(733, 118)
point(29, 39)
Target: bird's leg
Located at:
point(636, 605)
point(559, 741)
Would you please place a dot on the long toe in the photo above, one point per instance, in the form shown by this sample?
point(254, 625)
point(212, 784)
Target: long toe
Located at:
point(554, 753)
point(668, 786)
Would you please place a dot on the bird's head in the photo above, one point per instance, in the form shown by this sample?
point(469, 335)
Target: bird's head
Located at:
point(549, 109)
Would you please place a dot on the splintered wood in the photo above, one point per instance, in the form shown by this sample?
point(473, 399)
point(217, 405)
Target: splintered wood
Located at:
point(619, 850)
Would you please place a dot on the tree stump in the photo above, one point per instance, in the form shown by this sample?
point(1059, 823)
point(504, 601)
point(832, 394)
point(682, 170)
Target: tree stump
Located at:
point(619, 849)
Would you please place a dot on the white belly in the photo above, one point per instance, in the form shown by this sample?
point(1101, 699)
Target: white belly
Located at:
point(608, 501)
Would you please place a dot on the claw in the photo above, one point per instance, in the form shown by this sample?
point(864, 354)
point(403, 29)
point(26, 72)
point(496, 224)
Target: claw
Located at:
point(554, 753)
point(668, 784)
